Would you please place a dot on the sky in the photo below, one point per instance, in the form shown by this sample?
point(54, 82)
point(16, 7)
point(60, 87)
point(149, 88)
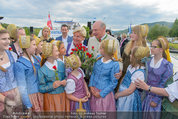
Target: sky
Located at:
point(117, 14)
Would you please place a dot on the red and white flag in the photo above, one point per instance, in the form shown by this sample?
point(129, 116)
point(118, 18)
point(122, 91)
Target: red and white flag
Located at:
point(49, 24)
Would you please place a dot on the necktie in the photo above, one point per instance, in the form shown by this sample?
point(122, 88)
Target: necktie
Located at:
point(100, 40)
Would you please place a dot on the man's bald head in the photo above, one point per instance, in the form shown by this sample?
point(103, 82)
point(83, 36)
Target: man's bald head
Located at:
point(99, 29)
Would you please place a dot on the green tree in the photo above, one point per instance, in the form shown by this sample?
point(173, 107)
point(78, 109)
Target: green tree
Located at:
point(158, 30)
point(174, 30)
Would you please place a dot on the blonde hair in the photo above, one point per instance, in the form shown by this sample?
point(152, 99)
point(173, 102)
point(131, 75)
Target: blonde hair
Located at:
point(161, 45)
point(25, 51)
point(109, 46)
point(124, 35)
point(47, 50)
point(138, 53)
point(12, 29)
point(72, 61)
point(141, 41)
point(81, 30)
point(42, 37)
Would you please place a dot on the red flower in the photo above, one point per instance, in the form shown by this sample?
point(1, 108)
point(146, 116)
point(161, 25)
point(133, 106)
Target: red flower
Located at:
point(86, 48)
point(73, 49)
point(54, 67)
point(77, 45)
point(71, 53)
point(10, 49)
point(83, 47)
point(80, 44)
point(80, 48)
point(92, 47)
point(90, 56)
point(88, 53)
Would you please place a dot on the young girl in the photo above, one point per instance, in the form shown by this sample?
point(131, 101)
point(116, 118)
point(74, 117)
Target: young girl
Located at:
point(51, 77)
point(102, 80)
point(62, 50)
point(138, 36)
point(76, 87)
point(9, 94)
point(39, 44)
point(159, 70)
point(128, 96)
point(46, 34)
point(26, 69)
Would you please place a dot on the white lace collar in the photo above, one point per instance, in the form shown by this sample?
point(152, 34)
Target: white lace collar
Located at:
point(157, 65)
point(50, 65)
point(108, 61)
point(132, 69)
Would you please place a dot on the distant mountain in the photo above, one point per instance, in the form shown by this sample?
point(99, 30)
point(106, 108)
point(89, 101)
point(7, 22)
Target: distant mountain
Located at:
point(163, 23)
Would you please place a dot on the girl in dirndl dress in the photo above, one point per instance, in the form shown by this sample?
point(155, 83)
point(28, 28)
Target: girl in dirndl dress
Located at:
point(102, 81)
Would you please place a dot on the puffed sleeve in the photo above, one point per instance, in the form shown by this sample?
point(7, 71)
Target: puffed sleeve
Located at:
point(70, 86)
point(21, 82)
point(138, 75)
point(44, 87)
point(172, 91)
point(113, 83)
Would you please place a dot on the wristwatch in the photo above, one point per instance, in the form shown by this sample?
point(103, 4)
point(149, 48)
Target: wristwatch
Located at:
point(149, 89)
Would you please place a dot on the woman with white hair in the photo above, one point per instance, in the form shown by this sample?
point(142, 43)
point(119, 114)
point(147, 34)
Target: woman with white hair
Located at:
point(79, 35)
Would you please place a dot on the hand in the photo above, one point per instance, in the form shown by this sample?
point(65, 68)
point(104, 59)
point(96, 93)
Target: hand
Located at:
point(141, 84)
point(63, 82)
point(85, 99)
point(153, 104)
point(56, 84)
point(88, 94)
point(118, 75)
point(92, 90)
point(116, 95)
point(97, 94)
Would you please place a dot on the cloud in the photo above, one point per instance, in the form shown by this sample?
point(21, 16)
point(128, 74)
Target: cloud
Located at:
point(117, 14)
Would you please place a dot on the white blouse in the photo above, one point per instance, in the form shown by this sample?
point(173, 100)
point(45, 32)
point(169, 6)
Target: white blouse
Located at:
point(157, 65)
point(50, 65)
point(5, 66)
point(108, 61)
point(173, 88)
point(137, 75)
point(70, 86)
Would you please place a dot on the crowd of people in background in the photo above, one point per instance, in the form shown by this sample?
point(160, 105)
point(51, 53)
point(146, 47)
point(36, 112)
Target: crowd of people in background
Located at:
point(43, 75)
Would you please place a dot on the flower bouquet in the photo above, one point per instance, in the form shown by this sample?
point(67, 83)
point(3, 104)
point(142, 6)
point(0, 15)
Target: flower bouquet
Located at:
point(86, 58)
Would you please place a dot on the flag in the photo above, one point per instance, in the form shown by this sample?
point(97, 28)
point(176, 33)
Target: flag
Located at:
point(49, 24)
point(130, 29)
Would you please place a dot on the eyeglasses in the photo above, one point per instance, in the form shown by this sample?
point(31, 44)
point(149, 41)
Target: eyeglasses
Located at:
point(154, 47)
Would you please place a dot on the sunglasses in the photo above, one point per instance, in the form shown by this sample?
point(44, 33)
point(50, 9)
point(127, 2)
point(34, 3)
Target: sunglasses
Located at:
point(154, 47)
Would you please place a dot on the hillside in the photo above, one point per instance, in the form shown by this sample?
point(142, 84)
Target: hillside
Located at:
point(163, 23)
point(27, 29)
